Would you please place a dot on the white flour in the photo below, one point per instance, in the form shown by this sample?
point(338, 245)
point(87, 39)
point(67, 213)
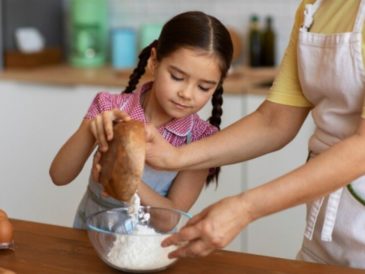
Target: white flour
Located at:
point(142, 250)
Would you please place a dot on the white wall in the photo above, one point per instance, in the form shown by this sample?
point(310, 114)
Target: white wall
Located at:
point(280, 234)
point(232, 177)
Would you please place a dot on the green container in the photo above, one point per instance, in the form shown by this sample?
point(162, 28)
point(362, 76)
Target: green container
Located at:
point(149, 33)
point(88, 40)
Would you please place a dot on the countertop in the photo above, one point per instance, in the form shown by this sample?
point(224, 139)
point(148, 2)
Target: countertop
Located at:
point(49, 249)
point(240, 80)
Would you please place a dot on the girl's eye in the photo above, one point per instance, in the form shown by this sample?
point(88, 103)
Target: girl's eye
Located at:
point(204, 88)
point(176, 78)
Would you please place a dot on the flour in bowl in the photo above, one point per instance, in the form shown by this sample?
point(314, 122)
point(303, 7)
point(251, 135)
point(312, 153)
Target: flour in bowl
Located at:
point(141, 250)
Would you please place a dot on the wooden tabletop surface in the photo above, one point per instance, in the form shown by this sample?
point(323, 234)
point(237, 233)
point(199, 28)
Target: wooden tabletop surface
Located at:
point(49, 249)
point(240, 80)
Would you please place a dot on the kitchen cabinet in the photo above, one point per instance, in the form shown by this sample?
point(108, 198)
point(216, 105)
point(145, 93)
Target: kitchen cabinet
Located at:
point(279, 234)
point(37, 119)
point(231, 177)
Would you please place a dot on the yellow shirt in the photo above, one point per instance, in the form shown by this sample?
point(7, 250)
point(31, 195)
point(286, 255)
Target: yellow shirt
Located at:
point(335, 16)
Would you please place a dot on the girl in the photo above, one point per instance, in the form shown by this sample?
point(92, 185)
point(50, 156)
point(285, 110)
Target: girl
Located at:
point(188, 62)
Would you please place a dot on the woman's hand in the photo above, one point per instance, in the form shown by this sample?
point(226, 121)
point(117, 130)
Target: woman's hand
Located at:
point(102, 126)
point(160, 154)
point(213, 228)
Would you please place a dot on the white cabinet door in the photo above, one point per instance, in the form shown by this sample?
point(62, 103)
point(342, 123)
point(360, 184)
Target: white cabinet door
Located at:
point(36, 121)
point(278, 235)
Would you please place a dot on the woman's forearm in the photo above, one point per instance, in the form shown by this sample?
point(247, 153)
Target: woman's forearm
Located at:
point(267, 129)
point(325, 173)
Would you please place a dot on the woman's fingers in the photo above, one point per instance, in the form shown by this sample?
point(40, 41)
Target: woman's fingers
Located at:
point(186, 234)
point(193, 249)
point(192, 242)
point(151, 132)
point(189, 238)
point(160, 154)
point(212, 229)
point(119, 115)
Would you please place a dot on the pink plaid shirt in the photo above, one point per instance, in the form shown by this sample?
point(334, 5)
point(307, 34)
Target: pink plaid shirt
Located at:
point(176, 131)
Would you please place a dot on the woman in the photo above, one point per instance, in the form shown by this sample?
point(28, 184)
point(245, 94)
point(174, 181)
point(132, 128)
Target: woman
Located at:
point(322, 72)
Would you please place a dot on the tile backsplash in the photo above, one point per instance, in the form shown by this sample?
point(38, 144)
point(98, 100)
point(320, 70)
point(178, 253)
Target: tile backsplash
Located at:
point(233, 13)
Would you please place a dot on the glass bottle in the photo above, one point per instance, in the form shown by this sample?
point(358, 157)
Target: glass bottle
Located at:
point(254, 42)
point(268, 44)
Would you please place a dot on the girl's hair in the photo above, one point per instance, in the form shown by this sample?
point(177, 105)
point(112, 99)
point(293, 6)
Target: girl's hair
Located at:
point(195, 30)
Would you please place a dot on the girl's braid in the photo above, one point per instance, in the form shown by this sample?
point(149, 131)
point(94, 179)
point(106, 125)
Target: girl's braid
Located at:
point(215, 120)
point(141, 67)
point(217, 102)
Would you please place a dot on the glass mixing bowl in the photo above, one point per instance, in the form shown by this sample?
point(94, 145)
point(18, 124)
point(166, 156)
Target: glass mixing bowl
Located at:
point(132, 242)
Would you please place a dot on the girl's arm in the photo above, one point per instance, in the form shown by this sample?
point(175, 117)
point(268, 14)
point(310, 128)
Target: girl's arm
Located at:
point(269, 128)
point(72, 156)
point(183, 193)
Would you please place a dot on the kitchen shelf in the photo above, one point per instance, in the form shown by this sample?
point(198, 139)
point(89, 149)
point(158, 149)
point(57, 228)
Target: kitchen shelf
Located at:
point(240, 80)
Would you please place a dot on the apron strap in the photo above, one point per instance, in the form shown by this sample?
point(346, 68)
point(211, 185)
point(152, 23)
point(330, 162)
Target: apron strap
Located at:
point(312, 218)
point(309, 11)
point(359, 22)
point(189, 137)
point(329, 219)
point(331, 214)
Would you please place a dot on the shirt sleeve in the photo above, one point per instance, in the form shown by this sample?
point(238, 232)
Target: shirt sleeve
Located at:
point(202, 129)
point(286, 88)
point(103, 101)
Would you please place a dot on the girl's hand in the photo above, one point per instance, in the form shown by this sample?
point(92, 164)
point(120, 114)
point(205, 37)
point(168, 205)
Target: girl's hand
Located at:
point(212, 229)
point(96, 167)
point(102, 126)
point(160, 154)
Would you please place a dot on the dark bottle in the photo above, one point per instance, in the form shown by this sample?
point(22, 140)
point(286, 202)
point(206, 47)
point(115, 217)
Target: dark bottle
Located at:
point(268, 44)
point(254, 42)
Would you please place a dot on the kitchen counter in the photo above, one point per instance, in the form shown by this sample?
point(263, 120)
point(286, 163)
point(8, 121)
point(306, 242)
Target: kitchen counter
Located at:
point(49, 249)
point(240, 80)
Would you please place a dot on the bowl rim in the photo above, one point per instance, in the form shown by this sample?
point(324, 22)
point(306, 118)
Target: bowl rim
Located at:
point(96, 229)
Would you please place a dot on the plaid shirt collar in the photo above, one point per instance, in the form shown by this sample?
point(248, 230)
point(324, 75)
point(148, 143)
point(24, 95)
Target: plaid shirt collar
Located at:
point(180, 127)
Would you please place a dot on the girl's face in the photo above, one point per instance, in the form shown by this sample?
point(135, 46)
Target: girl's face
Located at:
point(184, 82)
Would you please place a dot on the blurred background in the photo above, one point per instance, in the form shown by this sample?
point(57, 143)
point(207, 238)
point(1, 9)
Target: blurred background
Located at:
point(101, 24)
point(55, 55)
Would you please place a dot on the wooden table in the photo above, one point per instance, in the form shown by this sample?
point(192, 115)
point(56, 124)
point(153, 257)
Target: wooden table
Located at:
point(50, 249)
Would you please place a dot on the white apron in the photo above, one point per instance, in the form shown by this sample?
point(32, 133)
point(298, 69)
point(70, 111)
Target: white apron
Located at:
point(332, 77)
